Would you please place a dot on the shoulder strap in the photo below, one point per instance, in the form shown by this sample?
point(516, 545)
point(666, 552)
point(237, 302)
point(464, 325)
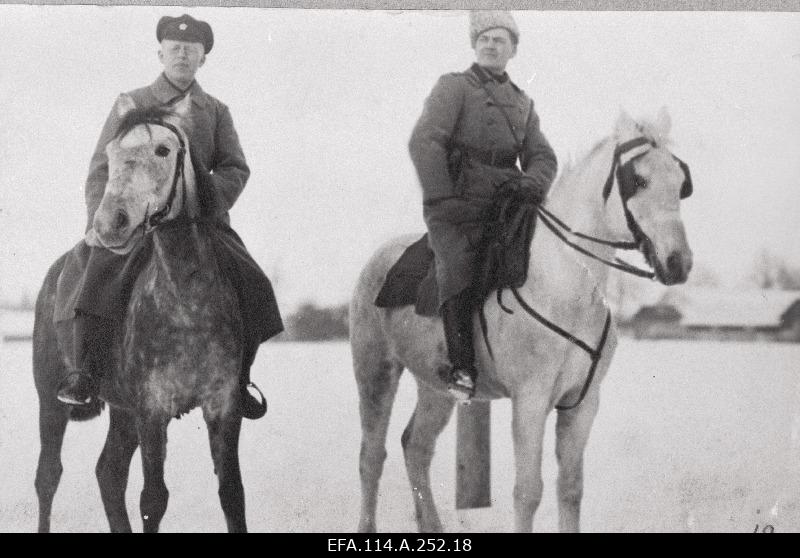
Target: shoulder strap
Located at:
point(517, 142)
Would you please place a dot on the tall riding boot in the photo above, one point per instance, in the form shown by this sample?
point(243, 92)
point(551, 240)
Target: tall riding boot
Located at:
point(91, 344)
point(457, 318)
point(251, 407)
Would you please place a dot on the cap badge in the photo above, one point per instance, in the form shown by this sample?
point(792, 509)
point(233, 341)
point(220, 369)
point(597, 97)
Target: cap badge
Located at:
point(182, 27)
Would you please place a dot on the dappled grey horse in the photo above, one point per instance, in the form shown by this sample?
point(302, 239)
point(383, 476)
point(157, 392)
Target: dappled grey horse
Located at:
point(179, 345)
point(547, 346)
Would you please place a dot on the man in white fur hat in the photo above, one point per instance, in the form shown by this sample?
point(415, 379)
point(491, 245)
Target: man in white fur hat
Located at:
point(475, 127)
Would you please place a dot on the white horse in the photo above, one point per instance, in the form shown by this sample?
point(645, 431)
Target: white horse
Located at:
point(638, 206)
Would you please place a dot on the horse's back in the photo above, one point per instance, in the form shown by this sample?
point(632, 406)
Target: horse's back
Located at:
point(374, 273)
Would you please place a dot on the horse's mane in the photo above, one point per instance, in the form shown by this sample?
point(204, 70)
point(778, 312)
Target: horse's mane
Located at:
point(137, 116)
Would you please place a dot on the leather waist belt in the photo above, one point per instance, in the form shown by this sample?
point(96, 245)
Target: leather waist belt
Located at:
point(493, 158)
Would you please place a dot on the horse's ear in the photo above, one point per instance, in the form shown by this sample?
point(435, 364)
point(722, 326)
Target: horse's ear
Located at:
point(125, 104)
point(182, 107)
point(625, 126)
point(663, 122)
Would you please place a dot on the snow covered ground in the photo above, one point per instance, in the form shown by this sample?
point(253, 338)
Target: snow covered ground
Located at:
point(691, 436)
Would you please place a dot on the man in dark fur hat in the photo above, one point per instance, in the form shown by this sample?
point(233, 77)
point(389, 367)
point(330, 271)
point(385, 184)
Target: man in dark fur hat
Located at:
point(221, 173)
point(474, 128)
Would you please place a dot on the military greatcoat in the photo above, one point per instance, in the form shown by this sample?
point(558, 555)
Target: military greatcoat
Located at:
point(473, 129)
point(98, 282)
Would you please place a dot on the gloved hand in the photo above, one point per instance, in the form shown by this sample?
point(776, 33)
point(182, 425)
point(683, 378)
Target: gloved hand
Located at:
point(524, 190)
point(530, 191)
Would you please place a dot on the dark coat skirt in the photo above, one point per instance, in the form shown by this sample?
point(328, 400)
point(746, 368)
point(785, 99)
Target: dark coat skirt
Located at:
point(99, 282)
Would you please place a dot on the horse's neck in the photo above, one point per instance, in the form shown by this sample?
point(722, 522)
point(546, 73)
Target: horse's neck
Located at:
point(183, 257)
point(181, 250)
point(577, 200)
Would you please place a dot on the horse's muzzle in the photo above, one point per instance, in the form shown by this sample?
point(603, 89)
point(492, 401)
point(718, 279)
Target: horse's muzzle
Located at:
point(114, 229)
point(676, 269)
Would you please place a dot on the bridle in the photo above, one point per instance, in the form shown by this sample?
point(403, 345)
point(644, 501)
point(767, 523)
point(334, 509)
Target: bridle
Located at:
point(628, 182)
point(157, 218)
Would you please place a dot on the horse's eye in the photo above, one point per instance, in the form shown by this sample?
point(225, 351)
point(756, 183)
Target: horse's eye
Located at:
point(162, 150)
point(640, 182)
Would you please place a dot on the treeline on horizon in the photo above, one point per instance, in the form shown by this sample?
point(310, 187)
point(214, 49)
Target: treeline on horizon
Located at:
point(316, 323)
point(311, 322)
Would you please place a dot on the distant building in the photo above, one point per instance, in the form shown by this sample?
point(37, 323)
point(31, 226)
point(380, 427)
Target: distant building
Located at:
point(720, 314)
point(16, 325)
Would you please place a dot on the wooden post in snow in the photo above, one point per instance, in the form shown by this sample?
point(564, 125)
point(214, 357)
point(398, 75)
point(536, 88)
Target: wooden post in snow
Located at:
point(473, 455)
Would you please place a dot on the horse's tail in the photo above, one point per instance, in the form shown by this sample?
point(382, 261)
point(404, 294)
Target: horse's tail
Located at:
point(87, 412)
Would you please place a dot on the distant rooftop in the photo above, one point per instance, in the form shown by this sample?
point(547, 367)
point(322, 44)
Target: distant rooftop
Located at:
point(716, 307)
point(16, 323)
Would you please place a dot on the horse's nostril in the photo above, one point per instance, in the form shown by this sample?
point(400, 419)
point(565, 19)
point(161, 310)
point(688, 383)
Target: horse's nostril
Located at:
point(675, 264)
point(122, 220)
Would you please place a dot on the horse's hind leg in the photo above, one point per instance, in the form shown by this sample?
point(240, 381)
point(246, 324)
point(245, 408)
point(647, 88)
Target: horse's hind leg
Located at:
point(430, 416)
point(113, 466)
point(53, 418)
point(153, 500)
point(377, 379)
point(572, 434)
point(223, 436)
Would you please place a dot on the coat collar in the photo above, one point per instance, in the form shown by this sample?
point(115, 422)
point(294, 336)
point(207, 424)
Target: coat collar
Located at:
point(486, 76)
point(166, 92)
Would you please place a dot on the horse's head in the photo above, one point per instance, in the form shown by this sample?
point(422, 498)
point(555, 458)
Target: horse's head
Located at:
point(650, 183)
point(150, 176)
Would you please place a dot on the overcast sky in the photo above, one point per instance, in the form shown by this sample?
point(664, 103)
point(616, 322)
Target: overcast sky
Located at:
point(324, 102)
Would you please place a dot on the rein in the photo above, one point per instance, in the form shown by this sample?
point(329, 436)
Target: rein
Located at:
point(551, 221)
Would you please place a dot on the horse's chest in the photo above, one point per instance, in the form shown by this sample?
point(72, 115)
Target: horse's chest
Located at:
point(180, 351)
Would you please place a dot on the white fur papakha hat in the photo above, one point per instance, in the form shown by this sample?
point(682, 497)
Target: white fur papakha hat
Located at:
point(483, 20)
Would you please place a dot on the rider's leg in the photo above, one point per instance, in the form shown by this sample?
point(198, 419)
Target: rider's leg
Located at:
point(251, 406)
point(91, 341)
point(457, 318)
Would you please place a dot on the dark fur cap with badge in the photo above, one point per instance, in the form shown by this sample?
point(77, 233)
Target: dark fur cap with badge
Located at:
point(185, 28)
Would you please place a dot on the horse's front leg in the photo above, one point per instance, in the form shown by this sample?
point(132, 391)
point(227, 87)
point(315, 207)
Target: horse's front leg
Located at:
point(223, 436)
point(529, 412)
point(572, 433)
point(113, 466)
point(152, 430)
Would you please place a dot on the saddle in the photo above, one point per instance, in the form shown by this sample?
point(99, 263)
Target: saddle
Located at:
point(503, 255)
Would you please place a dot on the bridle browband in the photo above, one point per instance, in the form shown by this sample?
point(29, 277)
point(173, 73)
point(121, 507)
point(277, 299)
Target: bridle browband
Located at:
point(157, 218)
